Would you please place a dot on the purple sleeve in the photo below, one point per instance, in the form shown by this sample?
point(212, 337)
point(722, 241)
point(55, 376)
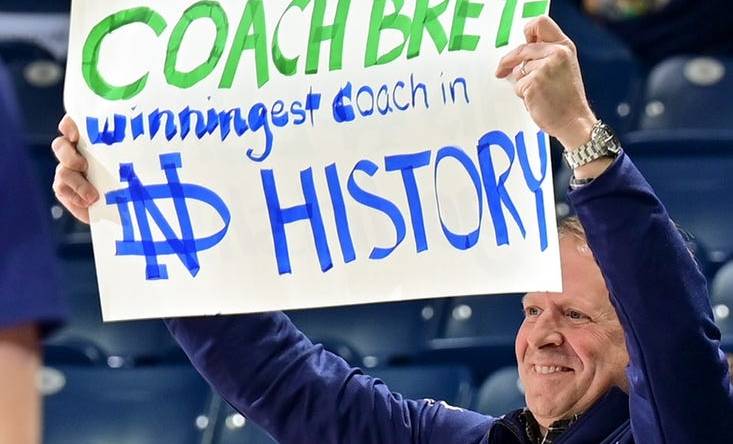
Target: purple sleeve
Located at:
point(300, 393)
point(679, 386)
point(29, 290)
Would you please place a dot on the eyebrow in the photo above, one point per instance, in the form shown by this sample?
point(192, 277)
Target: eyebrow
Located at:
point(572, 302)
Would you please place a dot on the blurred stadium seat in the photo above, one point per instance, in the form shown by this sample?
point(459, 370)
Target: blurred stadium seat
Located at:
point(502, 392)
point(33, 42)
point(722, 298)
point(448, 383)
point(486, 319)
point(478, 331)
point(39, 79)
point(380, 333)
point(444, 383)
point(123, 344)
point(691, 174)
point(74, 351)
point(689, 93)
point(125, 406)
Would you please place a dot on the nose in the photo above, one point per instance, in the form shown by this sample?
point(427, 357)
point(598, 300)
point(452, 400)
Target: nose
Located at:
point(545, 332)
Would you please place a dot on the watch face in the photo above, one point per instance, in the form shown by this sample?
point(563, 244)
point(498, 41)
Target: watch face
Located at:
point(607, 139)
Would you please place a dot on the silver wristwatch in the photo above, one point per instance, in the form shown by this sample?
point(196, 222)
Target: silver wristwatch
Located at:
point(603, 143)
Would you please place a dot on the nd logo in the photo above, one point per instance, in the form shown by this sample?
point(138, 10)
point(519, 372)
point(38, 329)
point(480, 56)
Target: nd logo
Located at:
point(143, 197)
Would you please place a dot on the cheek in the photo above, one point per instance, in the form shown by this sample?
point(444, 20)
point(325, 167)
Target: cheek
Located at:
point(600, 350)
point(520, 343)
point(587, 349)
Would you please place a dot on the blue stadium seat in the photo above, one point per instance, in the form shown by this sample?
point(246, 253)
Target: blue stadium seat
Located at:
point(451, 384)
point(38, 78)
point(380, 333)
point(489, 319)
point(74, 351)
point(722, 299)
point(123, 343)
point(478, 331)
point(691, 174)
point(142, 406)
point(689, 93)
point(501, 393)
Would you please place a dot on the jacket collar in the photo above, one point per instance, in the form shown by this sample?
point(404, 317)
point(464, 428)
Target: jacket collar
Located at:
point(607, 415)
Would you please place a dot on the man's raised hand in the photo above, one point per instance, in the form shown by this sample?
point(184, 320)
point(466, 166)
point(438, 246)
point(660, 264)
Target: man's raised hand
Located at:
point(549, 82)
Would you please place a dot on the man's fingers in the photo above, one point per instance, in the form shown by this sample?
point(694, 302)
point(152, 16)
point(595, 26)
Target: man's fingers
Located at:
point(77, 182)
point(524, 84)
point(72, 189)
point(73, 204)
point(66, 195)
point(68, 128)
point(67, 154)
point(544, 29)
point(524, 69)
point(543, 38)
point(530, 51)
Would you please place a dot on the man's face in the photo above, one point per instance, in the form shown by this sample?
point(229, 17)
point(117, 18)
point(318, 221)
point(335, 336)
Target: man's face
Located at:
point(570, 348)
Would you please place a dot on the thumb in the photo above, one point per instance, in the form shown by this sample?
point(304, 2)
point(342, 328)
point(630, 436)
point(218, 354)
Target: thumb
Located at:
point(68, 128)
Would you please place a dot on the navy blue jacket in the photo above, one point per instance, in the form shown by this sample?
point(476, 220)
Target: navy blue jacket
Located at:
point(679, 387)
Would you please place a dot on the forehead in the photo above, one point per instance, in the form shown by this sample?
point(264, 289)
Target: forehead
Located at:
point(581, 278)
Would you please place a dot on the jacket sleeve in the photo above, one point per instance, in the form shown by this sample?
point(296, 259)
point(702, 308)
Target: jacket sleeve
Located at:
point(679, 386)
point(300, 393)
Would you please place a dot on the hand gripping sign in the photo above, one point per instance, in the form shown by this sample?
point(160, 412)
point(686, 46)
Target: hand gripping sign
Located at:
point(261, 155)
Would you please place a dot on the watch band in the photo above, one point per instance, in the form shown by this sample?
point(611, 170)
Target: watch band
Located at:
point(602, 143)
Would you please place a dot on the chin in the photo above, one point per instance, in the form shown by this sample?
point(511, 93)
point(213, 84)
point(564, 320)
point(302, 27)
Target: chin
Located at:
point(555, 407)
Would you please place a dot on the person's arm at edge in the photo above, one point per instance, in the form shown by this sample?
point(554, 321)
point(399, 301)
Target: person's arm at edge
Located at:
point(20, 403)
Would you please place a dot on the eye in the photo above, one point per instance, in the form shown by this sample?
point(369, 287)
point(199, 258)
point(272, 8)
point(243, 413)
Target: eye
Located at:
point(575, 315)
point(531, 312)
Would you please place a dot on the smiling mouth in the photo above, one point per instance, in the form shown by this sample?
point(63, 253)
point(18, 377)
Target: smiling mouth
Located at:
point(550, 369)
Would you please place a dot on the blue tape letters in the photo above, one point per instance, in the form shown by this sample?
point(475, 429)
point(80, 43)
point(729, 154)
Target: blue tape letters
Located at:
point(484, 177)
point(143, 197)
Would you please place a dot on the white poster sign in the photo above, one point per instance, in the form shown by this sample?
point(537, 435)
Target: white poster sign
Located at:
point(262, 155)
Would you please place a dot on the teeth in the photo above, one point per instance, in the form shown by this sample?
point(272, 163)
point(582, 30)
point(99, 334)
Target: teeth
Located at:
point(547, 370)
